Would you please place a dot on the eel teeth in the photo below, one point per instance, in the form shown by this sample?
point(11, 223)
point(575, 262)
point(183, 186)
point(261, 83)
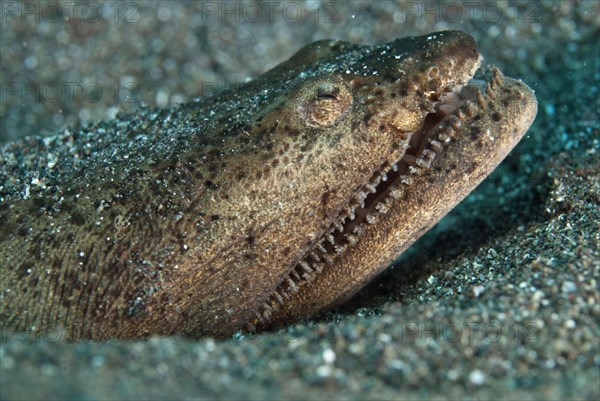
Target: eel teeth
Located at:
point(469, 108)
point(414, 169)
point(330, 239)
point(423, 162)
point(445, 137)
point(382, 207)
point(278, 297)
point(358, 229)
point(497, 77)
point(328, 259)
point(283, 293)
point(406, 180)
point(489, 91)
point(305, 266)
point(436, 146)
point(292, 285)
point(455, 122)
point(372, 218)
point(294, 275)
point(480, 99)
point(426, 158)
point(428, 154)
point(396, 193)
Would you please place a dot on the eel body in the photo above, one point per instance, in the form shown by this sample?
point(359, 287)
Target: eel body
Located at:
point(255, 207)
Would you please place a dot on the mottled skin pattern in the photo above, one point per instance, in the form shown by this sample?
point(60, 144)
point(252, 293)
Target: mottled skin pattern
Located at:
point(186, 220)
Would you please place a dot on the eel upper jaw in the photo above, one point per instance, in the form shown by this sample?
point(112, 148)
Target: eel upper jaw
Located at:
point(297, 297)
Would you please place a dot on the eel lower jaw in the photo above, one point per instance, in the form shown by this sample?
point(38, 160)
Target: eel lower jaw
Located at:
point(375, 199)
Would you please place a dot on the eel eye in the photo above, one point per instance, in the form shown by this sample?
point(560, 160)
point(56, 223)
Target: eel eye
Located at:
point(327, 105)
point(328, 92)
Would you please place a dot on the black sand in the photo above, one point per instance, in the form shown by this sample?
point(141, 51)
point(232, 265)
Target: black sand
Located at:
point(499, 301)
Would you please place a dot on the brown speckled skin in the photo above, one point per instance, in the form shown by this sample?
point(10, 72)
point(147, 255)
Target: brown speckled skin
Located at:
point(476, 148)
point(185, 220)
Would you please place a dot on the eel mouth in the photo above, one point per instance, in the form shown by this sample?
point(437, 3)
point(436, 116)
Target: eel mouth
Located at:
point(383, 188)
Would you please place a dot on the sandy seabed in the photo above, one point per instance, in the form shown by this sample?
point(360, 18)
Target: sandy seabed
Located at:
point(499, 301)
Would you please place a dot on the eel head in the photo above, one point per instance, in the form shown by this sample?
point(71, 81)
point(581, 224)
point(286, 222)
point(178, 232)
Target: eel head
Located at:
point(416, 135)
